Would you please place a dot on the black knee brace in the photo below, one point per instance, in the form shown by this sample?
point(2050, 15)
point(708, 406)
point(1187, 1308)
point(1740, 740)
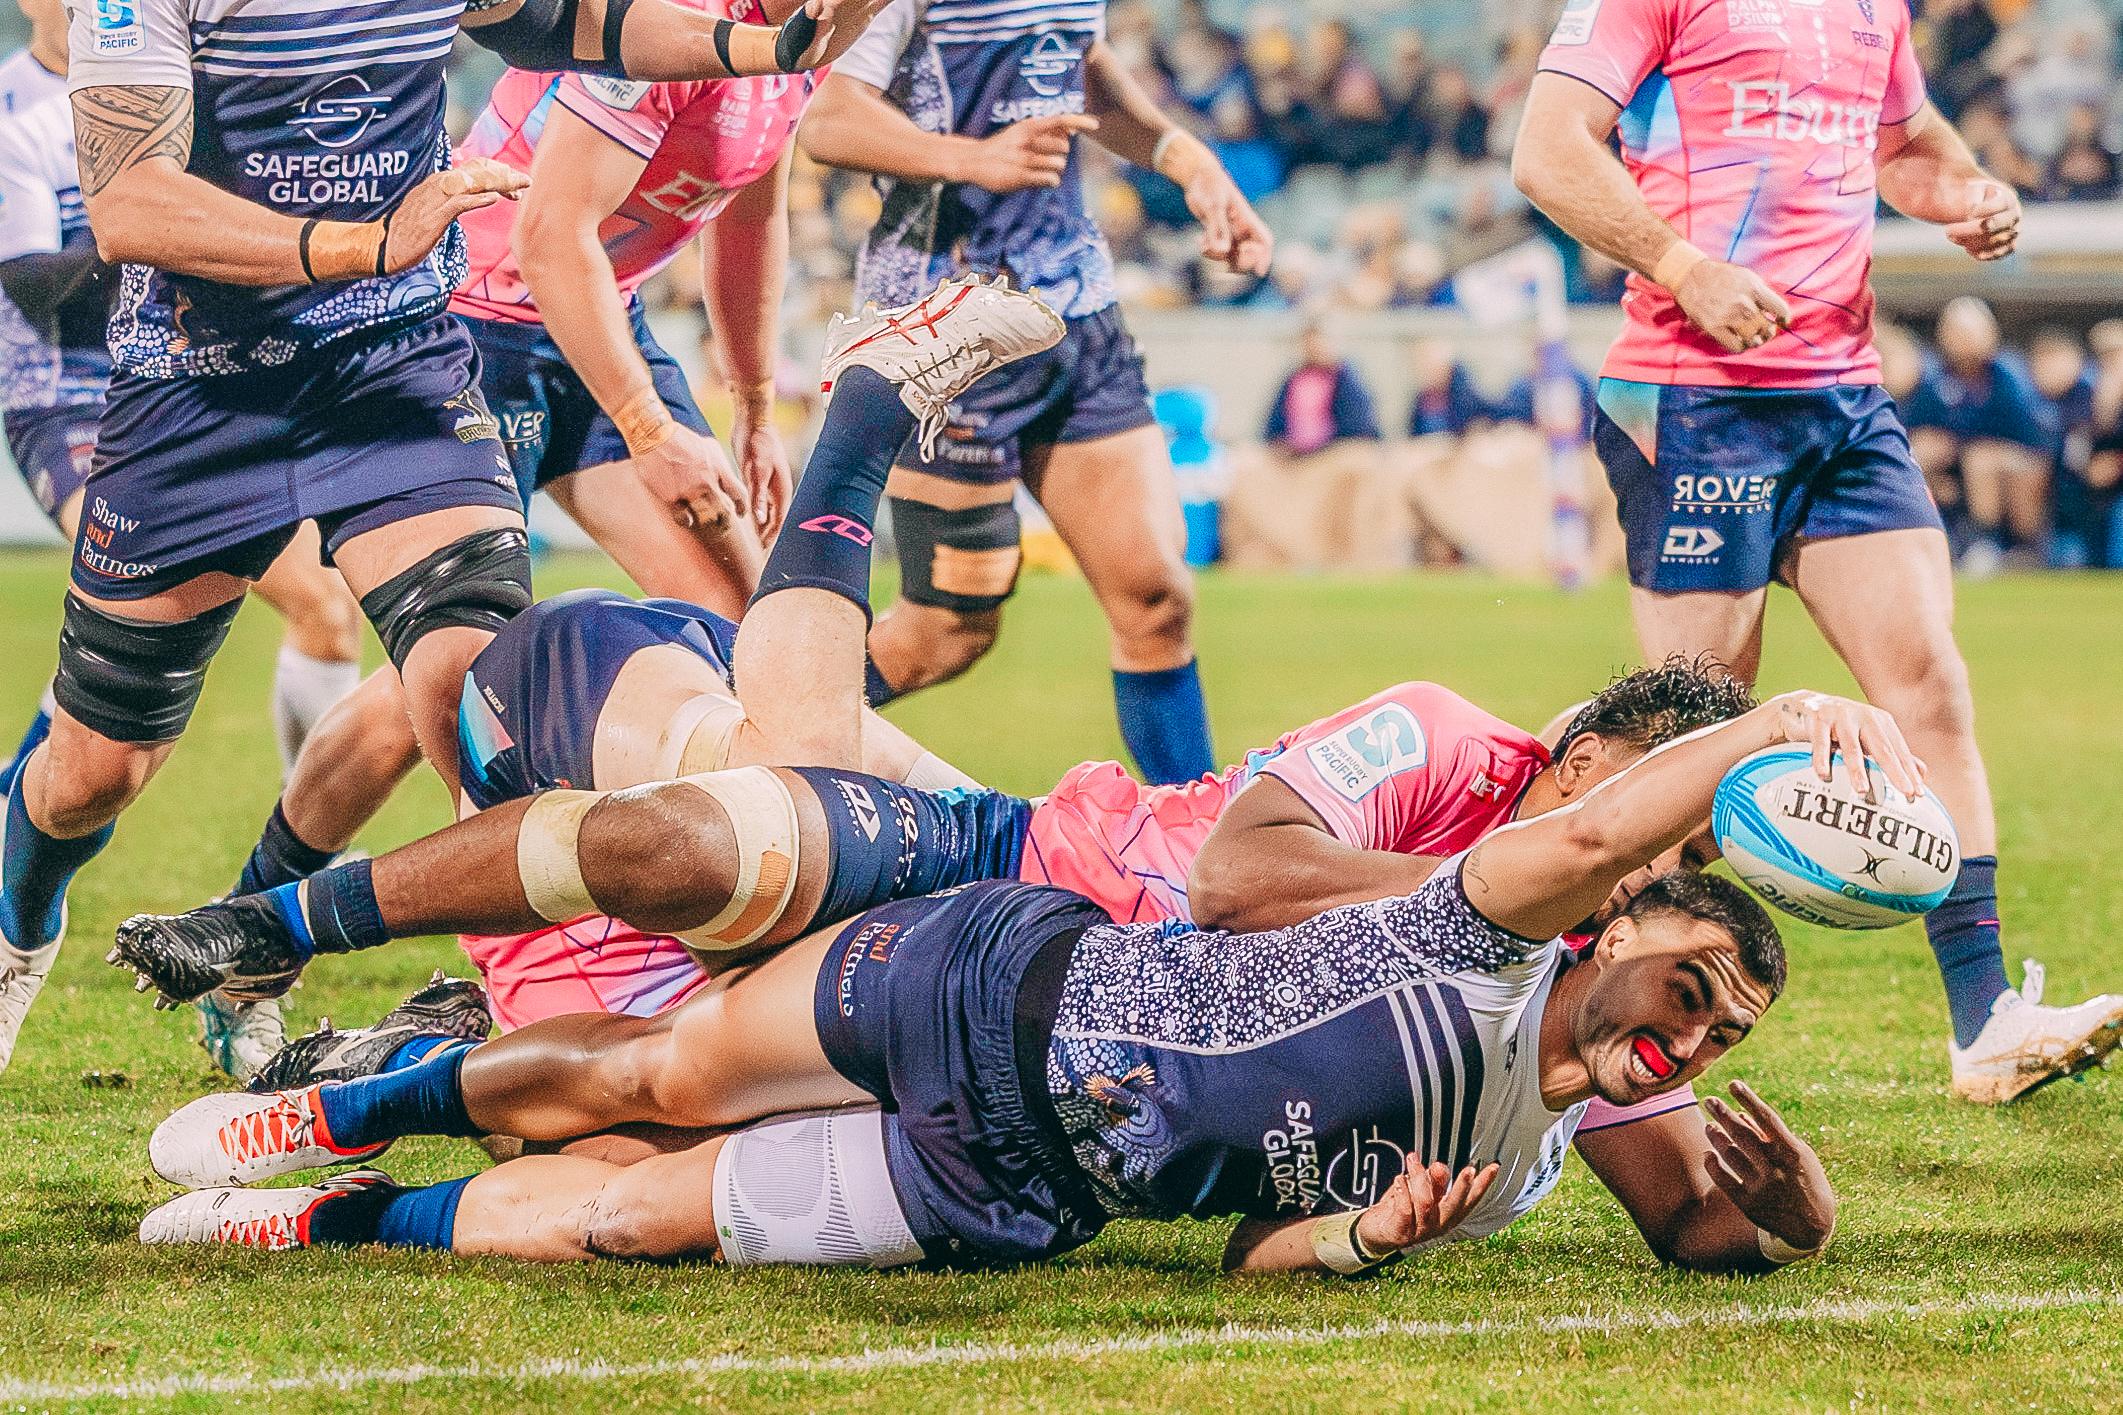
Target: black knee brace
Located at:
point(135, 682)
point(965, 560)
point(540, 36)
point(479, 582)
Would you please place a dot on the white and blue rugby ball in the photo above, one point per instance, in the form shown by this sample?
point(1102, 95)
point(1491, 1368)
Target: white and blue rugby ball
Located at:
point(1820, 852)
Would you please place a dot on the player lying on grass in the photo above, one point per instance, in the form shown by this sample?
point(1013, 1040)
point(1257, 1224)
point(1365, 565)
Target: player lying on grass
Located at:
point(1022, 1070)
point(595, 687)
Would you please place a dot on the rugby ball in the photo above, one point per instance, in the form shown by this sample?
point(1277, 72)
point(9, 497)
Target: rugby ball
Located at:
point(1821, 852)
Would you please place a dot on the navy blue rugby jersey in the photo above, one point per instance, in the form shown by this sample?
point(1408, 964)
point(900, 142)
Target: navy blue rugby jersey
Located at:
point(1290, 1073)
point(972, 67)
point(309, 107)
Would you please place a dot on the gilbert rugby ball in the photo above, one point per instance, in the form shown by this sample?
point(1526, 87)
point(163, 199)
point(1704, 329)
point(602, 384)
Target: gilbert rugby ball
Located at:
point(1821, 852)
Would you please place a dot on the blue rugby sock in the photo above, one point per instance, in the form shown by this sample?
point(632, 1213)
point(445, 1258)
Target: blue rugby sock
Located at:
point(1165, 722)
point(425, 1098)
point(34, 873)
point(333, 911)
point(825, 542)
point(419, 1049)
point(1964, 938)
point(39, 728)
point(399, 1218)
point(280, 857)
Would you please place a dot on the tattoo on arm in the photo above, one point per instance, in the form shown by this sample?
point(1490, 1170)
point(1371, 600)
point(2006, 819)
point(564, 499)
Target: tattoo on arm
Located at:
point(117, 127)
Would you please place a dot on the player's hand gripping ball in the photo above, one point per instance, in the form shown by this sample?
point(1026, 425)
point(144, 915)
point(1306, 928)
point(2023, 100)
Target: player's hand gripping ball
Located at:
point(1822, 852)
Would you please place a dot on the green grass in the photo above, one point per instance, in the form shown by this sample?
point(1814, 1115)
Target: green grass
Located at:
point(1978, 1264)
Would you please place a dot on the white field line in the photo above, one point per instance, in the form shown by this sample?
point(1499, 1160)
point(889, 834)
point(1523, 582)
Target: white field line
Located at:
point(593, 1370)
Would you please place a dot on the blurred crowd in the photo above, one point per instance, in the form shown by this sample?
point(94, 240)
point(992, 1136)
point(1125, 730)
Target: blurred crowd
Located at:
point(2022, 447)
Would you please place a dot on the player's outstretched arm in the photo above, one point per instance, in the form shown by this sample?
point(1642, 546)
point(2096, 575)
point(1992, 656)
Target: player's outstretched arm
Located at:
point(133, 142)
point(1927, 172)
point(1425, 1202)
point(1734, 1194)
point(851, 125)
point(1131, 125)
point(658, 41)
point(1537, 878)
point(1270, 863)
point(1562, 163)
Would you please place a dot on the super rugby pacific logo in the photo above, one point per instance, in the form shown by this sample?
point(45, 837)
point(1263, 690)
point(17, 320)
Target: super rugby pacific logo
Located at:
point(339, 113)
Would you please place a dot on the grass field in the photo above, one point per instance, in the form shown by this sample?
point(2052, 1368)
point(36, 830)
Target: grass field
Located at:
point(1978, 1265)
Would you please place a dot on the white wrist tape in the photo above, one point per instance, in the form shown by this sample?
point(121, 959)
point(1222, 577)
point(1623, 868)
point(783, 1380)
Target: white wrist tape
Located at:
point(1777, 1251)
point(763, 819)
point(1164, 145)
point(546, 858)
point(1334, 1243)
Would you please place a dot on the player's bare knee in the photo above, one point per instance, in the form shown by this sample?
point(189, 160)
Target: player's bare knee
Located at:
point(661, 857)
point(1157, 614)
point(1933, 700)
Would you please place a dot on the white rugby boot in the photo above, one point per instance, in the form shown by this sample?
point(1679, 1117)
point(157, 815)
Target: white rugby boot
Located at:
point(2025, 1045)
point(272, 1219)
point(942, 344)
point(240, 1137)
point(241, 1037)
point(22, 973)
point(21, 979)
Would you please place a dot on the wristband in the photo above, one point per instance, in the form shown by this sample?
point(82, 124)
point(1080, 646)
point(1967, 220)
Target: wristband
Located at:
point(342, 250)
point(1673, 267)
point(1777, 1251)
point(722, 46)
point(792, 38)
point(643, 421)
point(1336, 1244)
point(1164, 145)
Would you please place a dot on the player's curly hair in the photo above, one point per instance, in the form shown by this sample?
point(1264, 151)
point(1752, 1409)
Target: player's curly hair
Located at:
point(1716, 900)
point(1655, 705)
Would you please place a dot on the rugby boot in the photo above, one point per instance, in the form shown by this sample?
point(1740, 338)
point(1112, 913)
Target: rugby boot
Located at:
point(240, 1137)
point(272, 1219)
point(2025, 1046)
point(942, 344)
point(22, 972)
point(445, 1007)
point(240, 947)
point(240, 1037)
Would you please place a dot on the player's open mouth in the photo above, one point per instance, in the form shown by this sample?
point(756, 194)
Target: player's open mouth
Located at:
point(1652, 1058)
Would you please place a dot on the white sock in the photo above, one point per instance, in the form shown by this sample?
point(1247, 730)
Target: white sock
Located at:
point(932, 773)
point(304, 690)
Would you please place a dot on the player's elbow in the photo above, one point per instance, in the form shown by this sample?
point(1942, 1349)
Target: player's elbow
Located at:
point(1533, 166)
point(1215, 895)
point(122, 231)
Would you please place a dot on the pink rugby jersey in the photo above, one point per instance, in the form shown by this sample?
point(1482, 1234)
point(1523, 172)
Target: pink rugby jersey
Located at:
point(1750, 126)
point(1417, 770)
point(703, 142)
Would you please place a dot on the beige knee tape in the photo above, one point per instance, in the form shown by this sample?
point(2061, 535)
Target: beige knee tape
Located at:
point(700, 735)
point(763, 818)
point(546, 855)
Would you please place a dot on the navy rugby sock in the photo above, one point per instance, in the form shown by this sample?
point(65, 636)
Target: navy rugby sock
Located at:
point(332, 911)
point(34, 873)
point(426, 1098)
point(1165, 722)
point(832, 521)
point(40, 727)
point(280, 857)
point(1964, 938)
point(398, 1218)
